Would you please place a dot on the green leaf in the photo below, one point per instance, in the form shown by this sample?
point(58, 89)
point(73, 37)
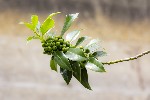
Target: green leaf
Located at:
point(47, 25)
point(61, 60)
point(69, 19)
point(66, 74)
point(34, 20)
point(80, 74)
point(93, 45)
point(75, 54)
point(53, 14)
point(76, 70)
point(80, 40)
point(53, 64)
point(30, 26)
point(99, 54)
point(72, 35)
point(95, 65)
point(31, 38)
point(84, 79)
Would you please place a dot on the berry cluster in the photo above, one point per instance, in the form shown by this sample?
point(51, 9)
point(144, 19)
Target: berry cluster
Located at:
point(55, 44)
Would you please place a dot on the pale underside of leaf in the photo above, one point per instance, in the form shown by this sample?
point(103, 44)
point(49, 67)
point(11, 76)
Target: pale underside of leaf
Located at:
point(100, 53)
point(72, 35)
point(75, 54)
point(95, 65)
point(74, 57)
point(69, 19)
point(93, 45)
point(81, 40)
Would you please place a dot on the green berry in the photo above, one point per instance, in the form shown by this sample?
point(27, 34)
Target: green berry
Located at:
point(49, 38)
point(87, 50)
point(61, 41)
point(68, 44)
point(44, 52)
point(67, 48)
point(59, 37)
point(55, 39)
point(54, 48)
point(49, 49)
point(51, 44)
point(81, 47)
point(64, 45)
point(43, 45)
point(42, 41)
point(45, 48)
point(61, 46)
point(57, 43)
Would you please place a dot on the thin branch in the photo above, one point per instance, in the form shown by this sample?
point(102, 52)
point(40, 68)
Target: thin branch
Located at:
point(126, 59)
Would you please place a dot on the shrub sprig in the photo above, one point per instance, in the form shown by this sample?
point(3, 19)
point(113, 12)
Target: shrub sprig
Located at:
point(72, 59)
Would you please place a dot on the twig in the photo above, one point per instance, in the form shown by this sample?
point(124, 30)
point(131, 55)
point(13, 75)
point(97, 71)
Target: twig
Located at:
point(126, 59)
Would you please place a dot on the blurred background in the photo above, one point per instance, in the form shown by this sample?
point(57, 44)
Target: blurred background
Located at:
point(123, 27)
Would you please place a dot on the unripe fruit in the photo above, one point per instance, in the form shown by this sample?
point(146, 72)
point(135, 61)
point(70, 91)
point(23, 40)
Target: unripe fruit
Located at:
point(45, 48)
point(87, 50)
point(54, 48)
point(61, 41)
point(68, 44)
point(57, 43)
point(43, 45)
point(55, 39)
point(64, 45)
point(49, 49)
point(81, 47)
point(51, 44)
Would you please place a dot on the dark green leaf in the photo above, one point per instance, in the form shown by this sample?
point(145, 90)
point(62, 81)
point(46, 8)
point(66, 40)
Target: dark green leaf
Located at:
point(95, 65)
point(61, 60)
point(99, 54)
point(80, 74)
point(75, 54)
point(66, 74)
point(76, 70)
point(69, 19)
point(47, 25)
point(72, 35)
point(80, 40)
point(53, 64)
point(84, 79)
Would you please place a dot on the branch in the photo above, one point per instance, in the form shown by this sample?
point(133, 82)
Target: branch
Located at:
point(126, 59)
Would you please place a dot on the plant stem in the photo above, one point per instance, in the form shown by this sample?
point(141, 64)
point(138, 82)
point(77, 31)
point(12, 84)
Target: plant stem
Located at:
point(126, 59)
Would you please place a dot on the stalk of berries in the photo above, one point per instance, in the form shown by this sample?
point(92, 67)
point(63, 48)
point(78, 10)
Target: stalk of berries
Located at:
point(55, 44)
